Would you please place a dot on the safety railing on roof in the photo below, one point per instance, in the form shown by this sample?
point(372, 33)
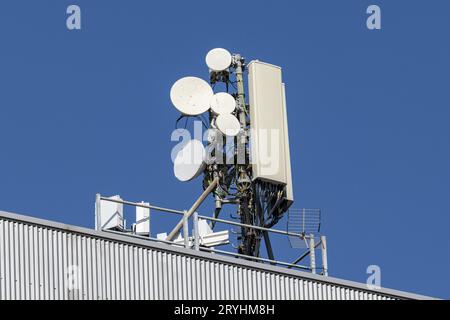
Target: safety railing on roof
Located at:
point(194, 242)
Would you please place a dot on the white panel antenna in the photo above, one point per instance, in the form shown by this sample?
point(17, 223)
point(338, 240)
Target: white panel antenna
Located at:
point(268, 122)
point(289, 196)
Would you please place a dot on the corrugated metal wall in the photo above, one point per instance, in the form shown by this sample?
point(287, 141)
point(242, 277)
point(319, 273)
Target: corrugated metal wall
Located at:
point(35, 264)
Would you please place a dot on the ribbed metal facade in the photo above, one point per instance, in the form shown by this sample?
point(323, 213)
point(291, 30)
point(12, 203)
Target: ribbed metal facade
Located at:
point(37, 259)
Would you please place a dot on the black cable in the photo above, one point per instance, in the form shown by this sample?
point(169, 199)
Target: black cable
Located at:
point(178, 120)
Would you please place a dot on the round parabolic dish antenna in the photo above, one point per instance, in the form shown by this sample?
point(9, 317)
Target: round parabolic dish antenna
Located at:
point(222, 103)
point(189, 162)
point(228, 124)
point(218, 59)
point(191, 96)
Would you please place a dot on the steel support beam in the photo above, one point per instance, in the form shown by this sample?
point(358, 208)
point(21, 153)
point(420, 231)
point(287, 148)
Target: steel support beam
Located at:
point(194, 207)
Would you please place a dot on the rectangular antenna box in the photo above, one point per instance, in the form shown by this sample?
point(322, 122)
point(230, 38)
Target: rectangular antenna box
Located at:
point(111, 215)
point(143, 220)
point(269, 128)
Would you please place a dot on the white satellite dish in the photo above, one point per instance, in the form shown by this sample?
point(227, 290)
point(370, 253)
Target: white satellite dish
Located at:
point(228, 124)
point(218, 59)
point(222, 103)
point(189, 162)
point(191, 96)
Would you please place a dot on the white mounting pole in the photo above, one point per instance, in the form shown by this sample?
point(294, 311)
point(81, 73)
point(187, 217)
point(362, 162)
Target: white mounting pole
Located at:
point(323, 240)
point(312, 254)
point(196, 238)
point(97, 211)
point(186, 230)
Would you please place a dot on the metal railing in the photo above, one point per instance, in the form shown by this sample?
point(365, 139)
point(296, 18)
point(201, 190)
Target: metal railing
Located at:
point(184, 222)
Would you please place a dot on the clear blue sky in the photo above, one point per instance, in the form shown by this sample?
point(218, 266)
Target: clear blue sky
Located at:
point(88, 111)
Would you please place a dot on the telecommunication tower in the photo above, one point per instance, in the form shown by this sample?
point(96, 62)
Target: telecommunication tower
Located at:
point(246, 161)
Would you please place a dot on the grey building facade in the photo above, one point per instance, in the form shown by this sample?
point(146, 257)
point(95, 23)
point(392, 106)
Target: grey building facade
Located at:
point(41, 259)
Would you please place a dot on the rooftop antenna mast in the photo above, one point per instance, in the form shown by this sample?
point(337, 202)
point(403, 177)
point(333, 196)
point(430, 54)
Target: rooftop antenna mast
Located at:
point(233, 158)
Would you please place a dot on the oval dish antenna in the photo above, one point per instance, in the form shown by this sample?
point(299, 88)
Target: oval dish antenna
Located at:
point(222, 103)
point(218, 59)
point(189, 162)
point(228, 124)
point(191, 96)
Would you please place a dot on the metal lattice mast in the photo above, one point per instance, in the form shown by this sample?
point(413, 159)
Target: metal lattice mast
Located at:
point(249, 240)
